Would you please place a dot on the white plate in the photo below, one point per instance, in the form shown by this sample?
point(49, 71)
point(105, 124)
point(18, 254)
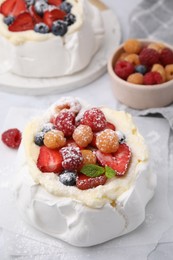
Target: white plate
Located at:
point(20, 85)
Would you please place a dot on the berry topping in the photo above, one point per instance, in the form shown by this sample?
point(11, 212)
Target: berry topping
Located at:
point(123, 69)
point(66, 7)
point(46, 16)
point(38, 138)
point(41, 28)
point(8, 20)
point(94, 118)
point(49, 160)
point(132, 46)
point(72, 158)
point(83, 135)
point(54, 139)
point(30, 2)
point(68, 178)
point(152, 78)
point(13, 7)
point(47, 127)
point(59, 28)
point(148, 57)
point(12, 138)
point(54, 2)
point(53, 15)
point(65, 122)
point(119, 161)
point(40, 7)
point(166, 56)
point(136, 78)
point(107, 141)
point(70, 19)
point(121, 137)
point(110, 126)
point(88, 157)
point(84, 182)
point(23, 22)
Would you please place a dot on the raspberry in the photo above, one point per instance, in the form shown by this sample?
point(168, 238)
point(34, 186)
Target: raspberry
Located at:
point(148, 57)
point(72, 158)
point(132, 58)
point(153, 77)
point(123, 69)
point(88, 157)
point(136, 78)
point(132, 46)
point(94, 118)
point(54, 139)
point(166, 56)
point(12, 138)
point(65, 122)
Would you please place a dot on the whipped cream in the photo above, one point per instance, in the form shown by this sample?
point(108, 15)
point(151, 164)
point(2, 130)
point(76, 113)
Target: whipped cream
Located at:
point(46, 55)
point(85, 217)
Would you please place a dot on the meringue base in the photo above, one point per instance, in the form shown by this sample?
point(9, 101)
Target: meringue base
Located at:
point(75, 223)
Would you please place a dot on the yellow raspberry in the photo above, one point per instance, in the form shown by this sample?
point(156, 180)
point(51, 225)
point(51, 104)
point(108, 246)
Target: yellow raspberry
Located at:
point(132, 46)
point(133, 58)
point(136, 78)
point(169, 72)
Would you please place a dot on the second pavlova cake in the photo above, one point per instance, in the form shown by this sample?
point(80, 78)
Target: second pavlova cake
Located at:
point(50, 38)
point(83, 173)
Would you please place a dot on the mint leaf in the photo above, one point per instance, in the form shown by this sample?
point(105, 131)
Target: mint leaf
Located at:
point(109, 172)
point(92, 170)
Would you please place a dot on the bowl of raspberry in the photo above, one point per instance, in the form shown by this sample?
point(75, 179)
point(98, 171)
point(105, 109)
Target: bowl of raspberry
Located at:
point(141, 72)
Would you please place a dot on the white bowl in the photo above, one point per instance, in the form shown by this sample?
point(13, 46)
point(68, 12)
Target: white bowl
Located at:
point(139, 96)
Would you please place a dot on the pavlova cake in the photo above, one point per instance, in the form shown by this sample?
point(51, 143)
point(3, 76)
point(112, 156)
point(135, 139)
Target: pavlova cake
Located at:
point(83, 173)
point(50, 38)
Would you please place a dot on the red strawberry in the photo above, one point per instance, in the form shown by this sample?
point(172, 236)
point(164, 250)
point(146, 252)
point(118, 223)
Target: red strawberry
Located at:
point(36, 18)
point(23, 22)
point(118, 161)
point(54, 2)
point(49, 160)
point(110, 126)
point(50, 16)
point(12, 138)
point(13, 7)
point(84, 182)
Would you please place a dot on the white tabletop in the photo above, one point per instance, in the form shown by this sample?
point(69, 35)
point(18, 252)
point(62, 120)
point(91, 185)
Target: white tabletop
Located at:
point(96, 93)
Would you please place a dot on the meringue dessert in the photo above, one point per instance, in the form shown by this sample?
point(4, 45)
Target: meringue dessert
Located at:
point(83, 173)
point(47, 38)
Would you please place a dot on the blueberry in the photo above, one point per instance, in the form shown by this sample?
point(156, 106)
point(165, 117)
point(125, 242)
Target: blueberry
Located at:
point(40, 7)
point(70, 19)
point(66, 7)
point(68, 178)
point(121, 137)
point(47, 127)
point(59, 28)
point(41, 28)
point(8, 20)
point(30, 2)
point(141, 69)
point(38, 138)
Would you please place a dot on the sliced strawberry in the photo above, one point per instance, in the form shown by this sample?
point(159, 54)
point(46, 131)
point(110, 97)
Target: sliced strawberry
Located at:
point(36, 18)
point(13, 7)
point(84, 182)
point(23, 22)
point(50, 16)
point(55, 2)
point(110, 126)
point(49, 160)
point(118, 161)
